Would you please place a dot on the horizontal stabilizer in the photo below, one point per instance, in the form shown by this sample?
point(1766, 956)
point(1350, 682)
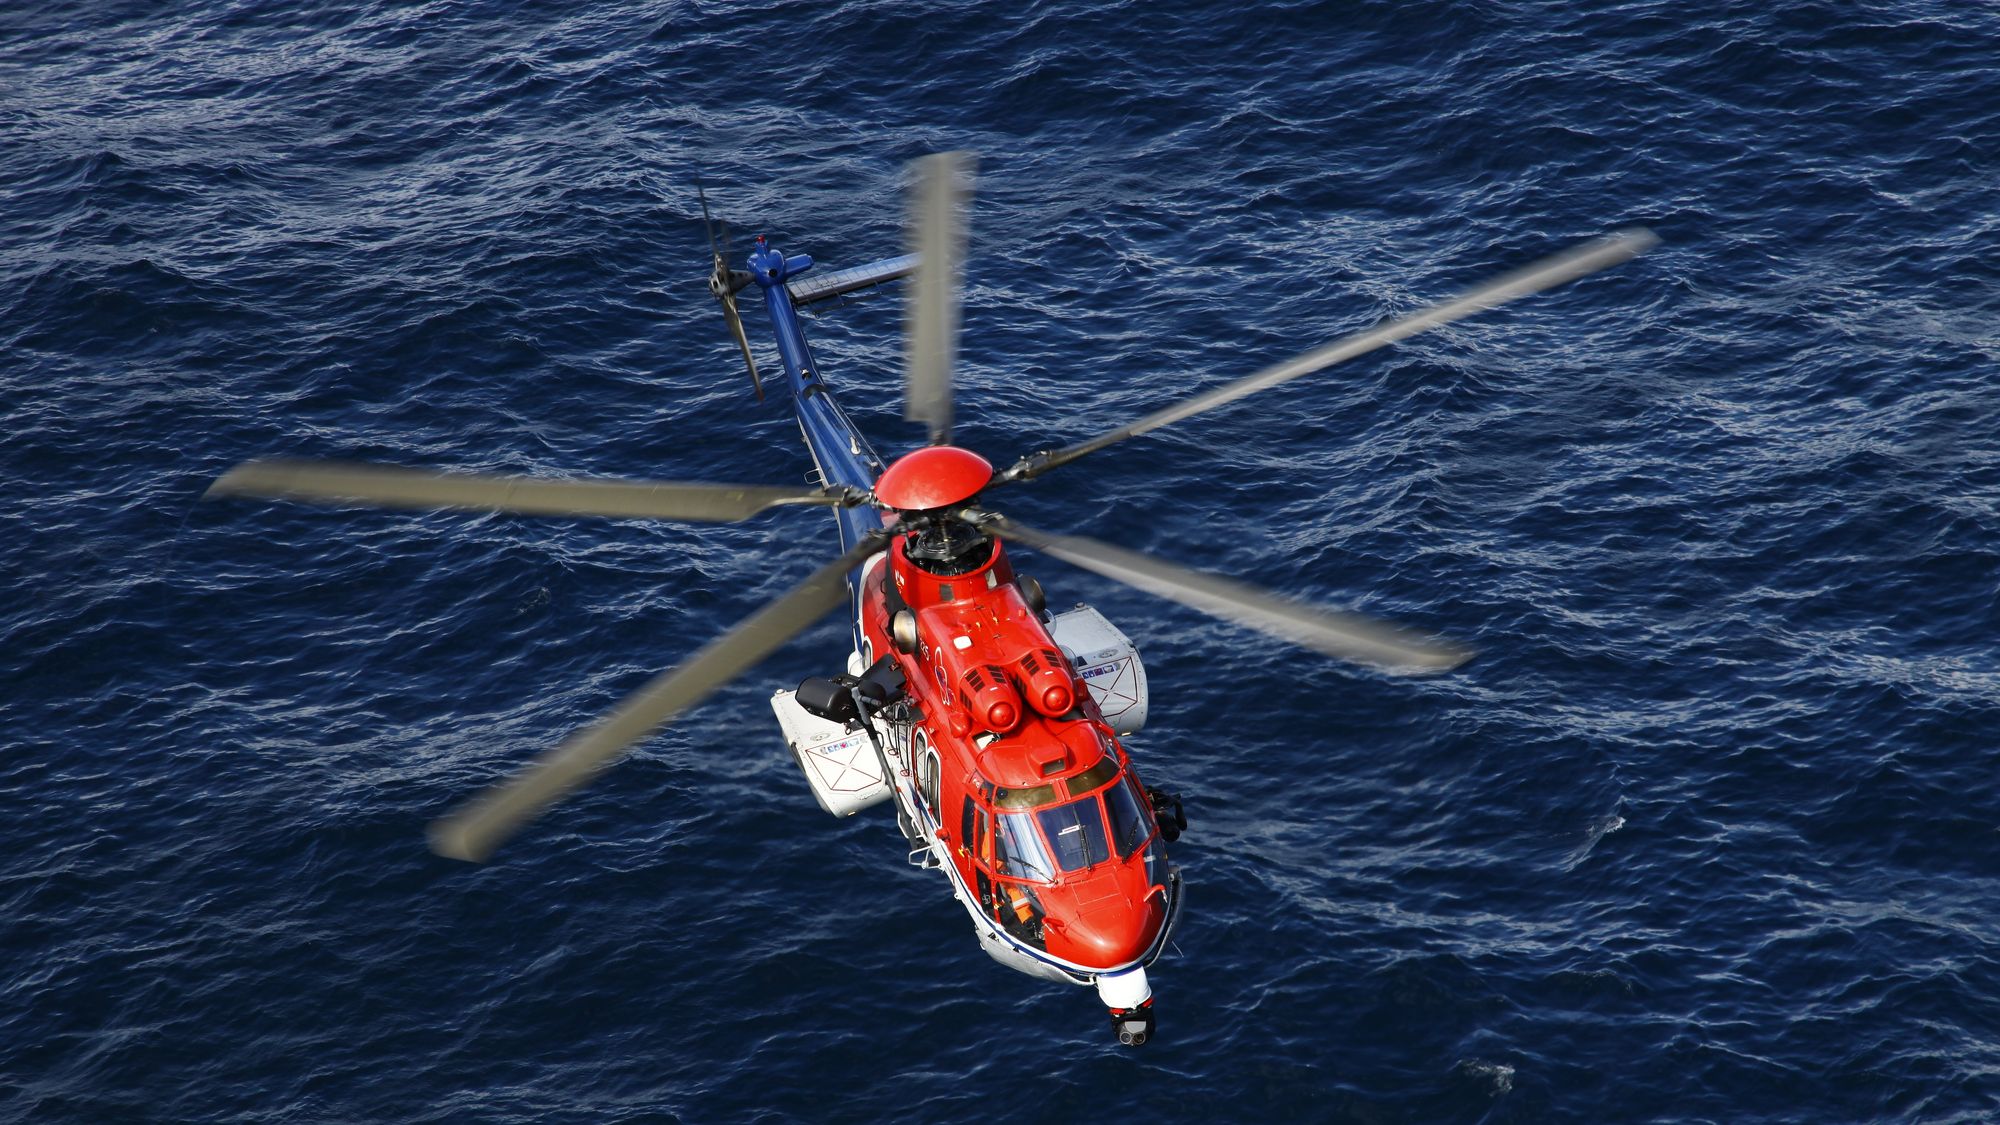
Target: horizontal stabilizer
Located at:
point(806, 290)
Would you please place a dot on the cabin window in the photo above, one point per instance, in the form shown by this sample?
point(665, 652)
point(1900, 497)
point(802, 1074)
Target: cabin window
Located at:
point(982, 853)
point(1076, 833)
point(927, 778)
point(1131, 821)
point(1019, 912)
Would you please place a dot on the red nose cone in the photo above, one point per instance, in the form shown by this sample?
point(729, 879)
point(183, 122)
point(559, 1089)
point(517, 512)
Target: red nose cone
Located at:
point(937, 477)
point(1108, 934)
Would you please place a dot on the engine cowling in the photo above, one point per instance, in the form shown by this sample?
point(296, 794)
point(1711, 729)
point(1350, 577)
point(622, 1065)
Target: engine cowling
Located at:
point(989, 698)
point(1046, 680)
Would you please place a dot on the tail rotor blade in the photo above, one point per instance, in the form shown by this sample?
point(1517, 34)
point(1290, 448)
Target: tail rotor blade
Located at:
point(1344, 636)
point(476, 828)
point(937, 238)
point(736, 328)
point(338, 482)
point(1545, 274)
point(708, 224)
point(724, 285)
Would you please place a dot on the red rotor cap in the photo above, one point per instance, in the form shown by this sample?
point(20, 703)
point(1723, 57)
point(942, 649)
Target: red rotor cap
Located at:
point(936, 477)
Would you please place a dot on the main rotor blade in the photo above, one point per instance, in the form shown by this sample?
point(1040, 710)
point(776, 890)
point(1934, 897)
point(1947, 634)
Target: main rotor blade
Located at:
point(937, 238)
point(346, 482)
point(1345, 636)
point(482, 824)
point(1547, 273)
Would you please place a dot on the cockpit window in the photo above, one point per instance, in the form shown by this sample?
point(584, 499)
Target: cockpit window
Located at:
point(1130, 824)
point(1018, 850)
point(1034, 796)
point(1095, 776)
point(1076, 833)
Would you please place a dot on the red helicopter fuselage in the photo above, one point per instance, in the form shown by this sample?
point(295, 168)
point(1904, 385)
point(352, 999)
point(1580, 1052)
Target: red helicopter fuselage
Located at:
point(1017, 771)
point(1006, 774)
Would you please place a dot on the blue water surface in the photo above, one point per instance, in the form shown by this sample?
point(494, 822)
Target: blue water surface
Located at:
point(1707, 833)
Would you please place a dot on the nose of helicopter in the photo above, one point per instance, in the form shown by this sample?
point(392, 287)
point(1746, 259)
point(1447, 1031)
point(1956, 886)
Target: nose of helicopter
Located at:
point(1116, 935)
point(1111, 932)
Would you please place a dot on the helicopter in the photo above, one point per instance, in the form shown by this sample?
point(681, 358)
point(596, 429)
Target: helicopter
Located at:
point(994, 727)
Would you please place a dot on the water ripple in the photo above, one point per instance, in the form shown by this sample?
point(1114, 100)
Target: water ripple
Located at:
point(1701, 835)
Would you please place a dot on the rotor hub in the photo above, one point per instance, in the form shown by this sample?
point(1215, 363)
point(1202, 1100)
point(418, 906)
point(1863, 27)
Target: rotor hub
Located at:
point(940, 476)
point(767, 266)
point(948, 547)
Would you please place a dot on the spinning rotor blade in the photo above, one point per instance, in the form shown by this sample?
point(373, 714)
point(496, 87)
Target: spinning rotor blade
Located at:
point(1345, 636)
point(346, 482)
point(736, 327)
point(1547, 273)
point(707, 223)
point(723, 284)
point(482, 824)
point(937, 238)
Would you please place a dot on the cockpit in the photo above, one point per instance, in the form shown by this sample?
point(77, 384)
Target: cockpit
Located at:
point(1040, 835)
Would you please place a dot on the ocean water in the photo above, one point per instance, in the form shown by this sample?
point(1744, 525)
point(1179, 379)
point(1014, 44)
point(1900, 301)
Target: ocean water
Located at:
point(1708, 832)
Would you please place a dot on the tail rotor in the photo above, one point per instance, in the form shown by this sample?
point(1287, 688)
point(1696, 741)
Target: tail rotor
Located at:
point(724, 283)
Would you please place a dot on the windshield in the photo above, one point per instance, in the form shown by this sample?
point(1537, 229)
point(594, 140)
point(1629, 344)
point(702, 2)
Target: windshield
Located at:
point(1076, 833)
point(1075, 839)
point(1131, 820)
point(1018, 851)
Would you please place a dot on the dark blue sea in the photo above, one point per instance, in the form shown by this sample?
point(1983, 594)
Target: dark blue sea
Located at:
point(1709, 832)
